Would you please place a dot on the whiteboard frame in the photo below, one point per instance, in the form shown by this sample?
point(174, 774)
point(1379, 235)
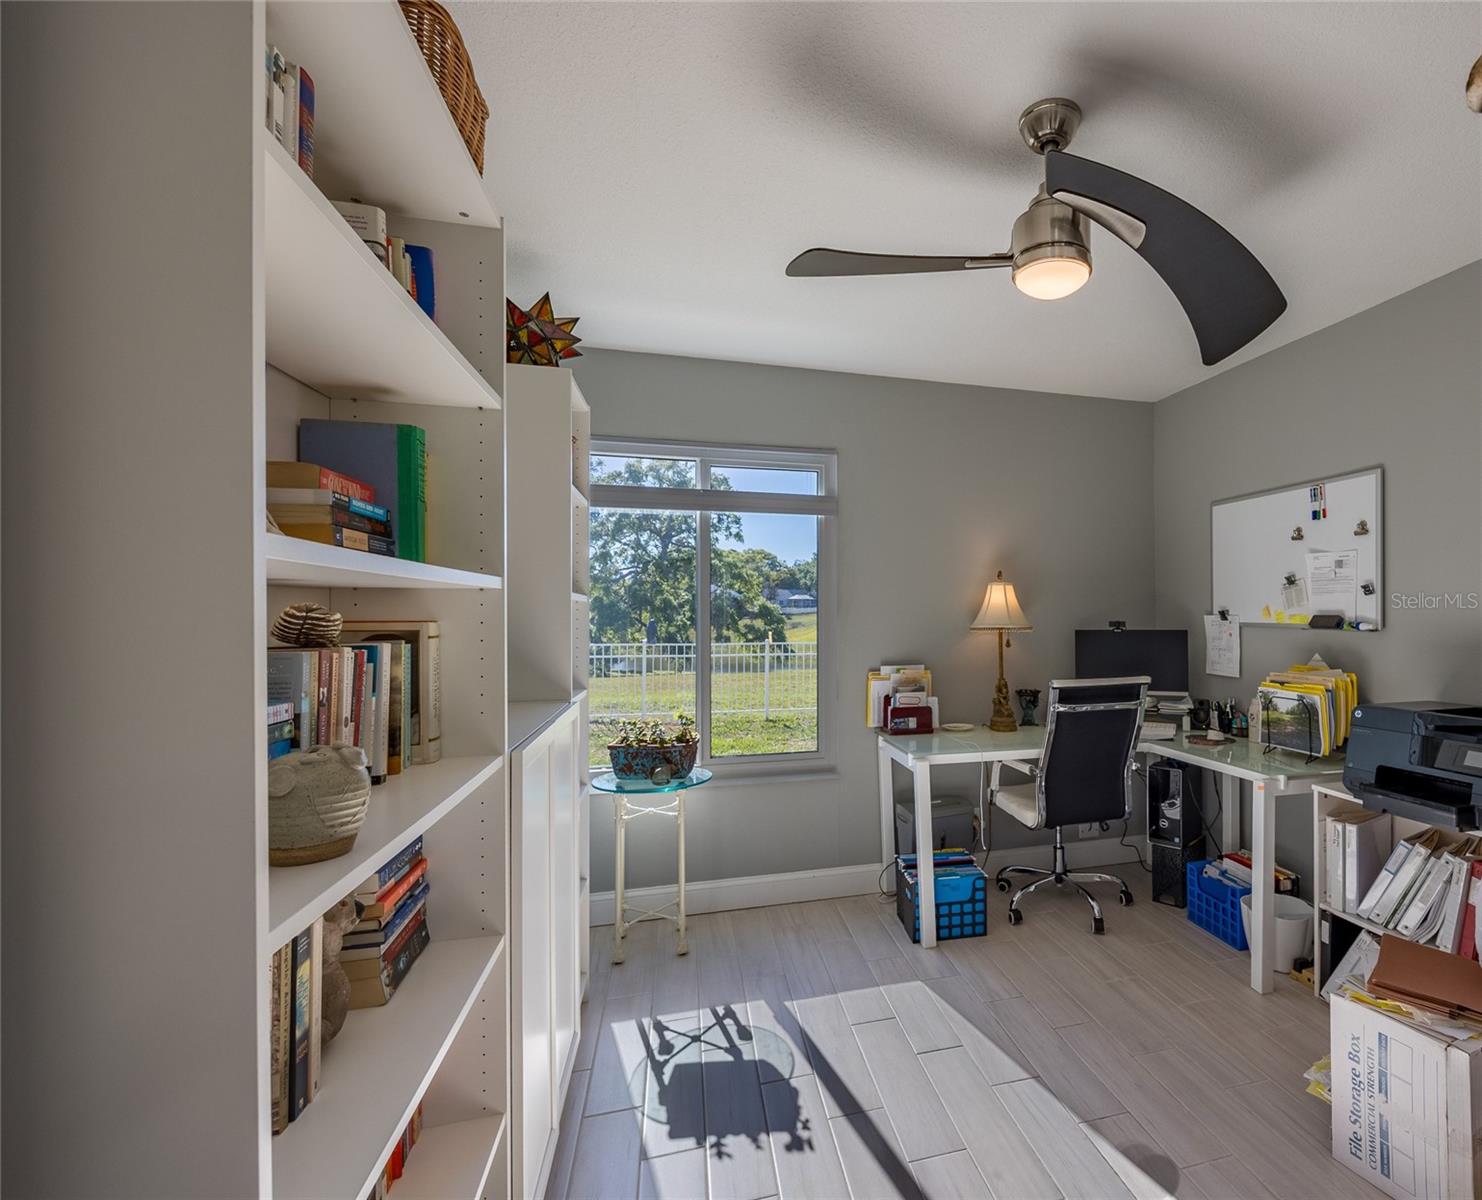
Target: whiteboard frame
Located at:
point(1377, 471)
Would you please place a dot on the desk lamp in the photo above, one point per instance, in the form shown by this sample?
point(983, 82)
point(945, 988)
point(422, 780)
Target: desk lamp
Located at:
point(1001, 614)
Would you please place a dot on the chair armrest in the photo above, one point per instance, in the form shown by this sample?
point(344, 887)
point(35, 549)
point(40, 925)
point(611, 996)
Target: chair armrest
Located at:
point(1023, 767)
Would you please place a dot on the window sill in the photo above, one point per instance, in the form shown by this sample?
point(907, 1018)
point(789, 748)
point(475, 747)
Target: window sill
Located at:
point(748, 774)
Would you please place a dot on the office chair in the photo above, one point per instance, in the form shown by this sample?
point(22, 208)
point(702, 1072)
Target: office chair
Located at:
point(1084, 776)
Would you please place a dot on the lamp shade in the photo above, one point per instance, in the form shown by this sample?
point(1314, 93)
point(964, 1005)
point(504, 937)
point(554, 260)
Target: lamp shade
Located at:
point(1000, 608)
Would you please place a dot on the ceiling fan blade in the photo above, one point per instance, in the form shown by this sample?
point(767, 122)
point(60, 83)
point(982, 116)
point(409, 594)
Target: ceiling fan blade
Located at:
point(1228, 296)
point(822, 261)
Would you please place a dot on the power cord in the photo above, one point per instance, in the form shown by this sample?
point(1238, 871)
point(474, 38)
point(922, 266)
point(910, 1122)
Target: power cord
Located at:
point(1126, 824)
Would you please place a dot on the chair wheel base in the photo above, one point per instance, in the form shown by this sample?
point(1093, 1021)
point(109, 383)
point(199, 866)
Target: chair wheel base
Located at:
point(1098, 925)
point(1003, 885)
point(1015, 916)
point(1126, 899)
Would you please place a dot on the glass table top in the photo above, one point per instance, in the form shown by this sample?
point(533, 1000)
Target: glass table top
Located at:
point(608, 782)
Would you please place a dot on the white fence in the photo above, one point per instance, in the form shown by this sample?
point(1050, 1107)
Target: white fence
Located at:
point(638, 679)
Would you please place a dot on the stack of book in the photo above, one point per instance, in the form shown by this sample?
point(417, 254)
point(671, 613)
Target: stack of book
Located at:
point(282, 729)
point(410, 265)
point(290, 112)
point(313, 502)
point(1427, 891)
point(396, 1161)
point(295, 984)
point(391, 460)
point(392, 931)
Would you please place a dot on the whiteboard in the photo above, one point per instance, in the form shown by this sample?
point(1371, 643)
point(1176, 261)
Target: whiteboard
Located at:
point(1265, 574)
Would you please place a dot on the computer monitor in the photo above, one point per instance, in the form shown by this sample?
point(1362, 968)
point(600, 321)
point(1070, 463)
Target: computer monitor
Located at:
point(1160, 654)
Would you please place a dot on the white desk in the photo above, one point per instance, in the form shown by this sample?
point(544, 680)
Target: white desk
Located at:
point(1272, 776)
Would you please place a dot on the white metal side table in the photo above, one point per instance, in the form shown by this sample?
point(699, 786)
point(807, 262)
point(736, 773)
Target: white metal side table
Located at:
point(669, 802)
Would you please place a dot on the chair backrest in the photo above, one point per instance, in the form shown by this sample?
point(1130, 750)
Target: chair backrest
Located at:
point(1090, 743)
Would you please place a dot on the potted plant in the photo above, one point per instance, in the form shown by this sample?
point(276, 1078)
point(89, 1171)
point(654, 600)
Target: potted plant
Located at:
point(654, 750)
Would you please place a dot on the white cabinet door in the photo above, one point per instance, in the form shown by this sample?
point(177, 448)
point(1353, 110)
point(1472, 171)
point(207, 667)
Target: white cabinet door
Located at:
point(565, 885)
point(531, 982)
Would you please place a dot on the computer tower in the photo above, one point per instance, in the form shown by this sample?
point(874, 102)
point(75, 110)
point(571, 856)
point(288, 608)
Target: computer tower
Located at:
point(1173, 803)
point(954, 823)
point(1170, 871)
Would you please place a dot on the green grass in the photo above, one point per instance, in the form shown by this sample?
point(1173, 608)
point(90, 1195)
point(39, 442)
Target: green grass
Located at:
point(733, 733)
point(803, 628)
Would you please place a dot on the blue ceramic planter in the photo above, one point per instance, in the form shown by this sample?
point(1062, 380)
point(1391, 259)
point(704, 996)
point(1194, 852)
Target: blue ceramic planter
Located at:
point(640, 762)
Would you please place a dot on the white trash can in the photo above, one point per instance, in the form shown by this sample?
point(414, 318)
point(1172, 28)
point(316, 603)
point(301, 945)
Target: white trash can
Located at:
point(1293, 929)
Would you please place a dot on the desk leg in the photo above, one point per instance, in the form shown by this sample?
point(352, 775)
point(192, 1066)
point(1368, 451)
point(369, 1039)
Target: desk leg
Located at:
point(1230, 813)
point(1263, 888)
point(620, 821)
point(887, 811)
point(926, 884)
point(679, 824)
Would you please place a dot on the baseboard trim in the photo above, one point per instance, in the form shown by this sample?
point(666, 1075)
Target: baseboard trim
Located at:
point(832, 883)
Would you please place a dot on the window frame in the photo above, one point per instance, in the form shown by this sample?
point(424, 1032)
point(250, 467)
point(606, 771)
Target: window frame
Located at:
point(702, 500)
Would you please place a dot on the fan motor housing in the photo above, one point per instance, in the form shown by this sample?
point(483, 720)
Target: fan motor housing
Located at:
point(1050, 229)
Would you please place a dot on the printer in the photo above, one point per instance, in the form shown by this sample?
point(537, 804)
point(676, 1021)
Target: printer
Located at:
point(1420, 759)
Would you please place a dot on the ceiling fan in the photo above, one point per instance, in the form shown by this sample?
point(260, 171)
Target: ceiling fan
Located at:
point(1228, 295)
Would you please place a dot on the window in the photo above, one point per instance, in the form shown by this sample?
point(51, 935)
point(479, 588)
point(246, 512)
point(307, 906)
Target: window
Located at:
point(711, 595)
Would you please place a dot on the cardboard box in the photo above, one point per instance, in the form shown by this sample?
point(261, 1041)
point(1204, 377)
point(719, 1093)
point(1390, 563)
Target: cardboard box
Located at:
point(1407, 1105)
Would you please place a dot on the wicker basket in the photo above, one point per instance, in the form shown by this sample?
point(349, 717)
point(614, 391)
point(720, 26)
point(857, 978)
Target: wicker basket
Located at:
point(447, 58)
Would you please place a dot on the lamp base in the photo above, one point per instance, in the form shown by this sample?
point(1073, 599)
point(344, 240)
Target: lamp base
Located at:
point(1002, 720)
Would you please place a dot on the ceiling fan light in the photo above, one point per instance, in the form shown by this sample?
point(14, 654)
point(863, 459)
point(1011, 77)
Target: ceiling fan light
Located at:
point(1052, 278)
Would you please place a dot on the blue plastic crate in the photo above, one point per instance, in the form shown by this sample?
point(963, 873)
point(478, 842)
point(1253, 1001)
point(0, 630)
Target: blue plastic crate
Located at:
point(962, 902)
point(1214, 906)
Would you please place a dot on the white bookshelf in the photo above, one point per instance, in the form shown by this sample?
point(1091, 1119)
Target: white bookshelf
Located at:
point(303, 563)
point(168, 366)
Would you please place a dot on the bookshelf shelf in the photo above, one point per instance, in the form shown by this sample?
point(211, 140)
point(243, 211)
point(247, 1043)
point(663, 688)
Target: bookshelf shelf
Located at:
point(577, 499)
point(336, 318)
point(377, 1070)
point(400, 809)
point(391, 141)
point(529, 717)
point(1361, 922)
point(451, 1162)
point(292, 560)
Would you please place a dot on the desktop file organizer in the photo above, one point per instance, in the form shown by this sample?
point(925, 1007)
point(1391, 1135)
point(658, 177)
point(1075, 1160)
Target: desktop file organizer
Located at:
point(962, 900)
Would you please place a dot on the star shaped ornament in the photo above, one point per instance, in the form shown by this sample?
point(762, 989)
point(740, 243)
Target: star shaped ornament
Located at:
point(538, 337)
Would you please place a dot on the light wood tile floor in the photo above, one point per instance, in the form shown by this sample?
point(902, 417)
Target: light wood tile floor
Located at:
point(810, 1051)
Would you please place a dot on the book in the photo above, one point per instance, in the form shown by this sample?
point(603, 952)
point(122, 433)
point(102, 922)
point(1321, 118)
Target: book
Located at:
point(291, 498)
point(293, 684)
point(316, 1008)
point(303, 133)
point(422, 285)
point(1453, 904)
point(371, 943)
point(338, 535)
point(275, 64)
point(280, 1009)
point(423, 687)
point(279, 748)
point(391, 458)
point(289, 137)
point(399, 663)
point(389, 871)
point(400, 267)
point(1467, 946)
point(308, 476)
point(369, 224)
point(298, 1088)
point(282, 729)
point(378, 990)
point(324, 705)
point(390, 896)
point(279, 711)
point(287, 515)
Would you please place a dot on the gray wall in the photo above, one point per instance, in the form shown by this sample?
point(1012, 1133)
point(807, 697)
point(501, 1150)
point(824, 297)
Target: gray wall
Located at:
point(1055, 490)
point(1399, 385)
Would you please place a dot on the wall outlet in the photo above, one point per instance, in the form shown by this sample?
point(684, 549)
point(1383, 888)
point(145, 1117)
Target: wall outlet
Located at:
point(1089, 830)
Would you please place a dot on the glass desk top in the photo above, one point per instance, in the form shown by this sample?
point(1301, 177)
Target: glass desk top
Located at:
point(608, 782)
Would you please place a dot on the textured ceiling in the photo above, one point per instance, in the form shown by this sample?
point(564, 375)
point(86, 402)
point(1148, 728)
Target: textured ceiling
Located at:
point(659, 164)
